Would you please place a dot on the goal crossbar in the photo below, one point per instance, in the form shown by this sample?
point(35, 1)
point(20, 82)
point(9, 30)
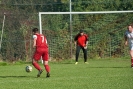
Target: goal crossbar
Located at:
point(94, 12)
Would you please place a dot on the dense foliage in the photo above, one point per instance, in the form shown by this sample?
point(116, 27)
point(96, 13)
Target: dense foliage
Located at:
point(22, 16)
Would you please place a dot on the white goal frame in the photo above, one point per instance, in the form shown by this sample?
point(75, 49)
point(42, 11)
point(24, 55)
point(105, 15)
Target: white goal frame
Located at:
point(70, 13)
point(94, 12)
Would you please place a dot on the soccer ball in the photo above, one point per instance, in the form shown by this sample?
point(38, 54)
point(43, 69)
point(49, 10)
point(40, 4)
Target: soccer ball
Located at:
point(28, 68)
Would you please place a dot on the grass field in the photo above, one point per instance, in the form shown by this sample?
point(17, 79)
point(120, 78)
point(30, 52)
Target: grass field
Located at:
point(98, 74)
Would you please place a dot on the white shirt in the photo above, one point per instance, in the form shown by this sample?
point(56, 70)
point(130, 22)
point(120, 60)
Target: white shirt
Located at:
point(35, 37)
point(130, 39)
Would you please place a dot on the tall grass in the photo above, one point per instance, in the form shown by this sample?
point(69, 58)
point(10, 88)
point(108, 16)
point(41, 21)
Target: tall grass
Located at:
point(98, 74)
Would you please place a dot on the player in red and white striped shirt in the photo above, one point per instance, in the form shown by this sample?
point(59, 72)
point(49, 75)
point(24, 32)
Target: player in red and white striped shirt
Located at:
point(41, 50)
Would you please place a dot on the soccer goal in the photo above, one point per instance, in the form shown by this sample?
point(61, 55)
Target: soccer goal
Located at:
point(105, 28)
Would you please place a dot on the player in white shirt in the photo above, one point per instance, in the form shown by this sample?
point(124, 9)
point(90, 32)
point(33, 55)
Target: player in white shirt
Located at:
point(129, 41)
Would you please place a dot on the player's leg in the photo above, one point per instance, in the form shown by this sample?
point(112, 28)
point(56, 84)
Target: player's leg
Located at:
point(45, 57)
point(35, 59)
point(85, 55)
point(47, 68)
point(35, 64)
point(77, 53)
point(131, 54)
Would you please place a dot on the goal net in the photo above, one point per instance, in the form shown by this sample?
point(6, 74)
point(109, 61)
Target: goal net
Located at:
point(105, 29)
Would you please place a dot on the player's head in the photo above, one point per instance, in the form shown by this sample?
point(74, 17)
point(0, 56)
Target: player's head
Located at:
point(35, 30)
point(130, 27)
point(81, 32)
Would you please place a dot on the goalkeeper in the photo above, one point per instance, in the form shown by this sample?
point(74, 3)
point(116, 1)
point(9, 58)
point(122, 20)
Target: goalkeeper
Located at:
point(81, 41)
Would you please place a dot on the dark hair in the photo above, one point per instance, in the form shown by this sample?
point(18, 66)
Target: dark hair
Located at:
point(80, 31)
point(35, 30)
point(131, 25)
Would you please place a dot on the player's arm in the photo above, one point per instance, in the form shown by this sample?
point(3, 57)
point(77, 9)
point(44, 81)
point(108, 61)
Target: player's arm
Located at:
point(75, 39)
point(126, 42)
point(34, 41)
point(87, 39)
point(75, 43)
point(86, 43)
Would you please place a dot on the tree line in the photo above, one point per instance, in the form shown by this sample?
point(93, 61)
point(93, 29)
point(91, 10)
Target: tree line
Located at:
point(22, 16)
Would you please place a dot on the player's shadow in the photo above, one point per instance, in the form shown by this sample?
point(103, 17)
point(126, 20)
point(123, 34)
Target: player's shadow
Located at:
point(14, 76)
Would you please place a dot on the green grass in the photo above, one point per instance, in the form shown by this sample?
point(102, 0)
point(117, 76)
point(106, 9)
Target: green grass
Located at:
point(98, 74)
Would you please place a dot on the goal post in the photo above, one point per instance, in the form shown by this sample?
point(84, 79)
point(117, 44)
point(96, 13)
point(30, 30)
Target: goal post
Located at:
point(76, 13)
point(2, 31)
point(94, 12)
